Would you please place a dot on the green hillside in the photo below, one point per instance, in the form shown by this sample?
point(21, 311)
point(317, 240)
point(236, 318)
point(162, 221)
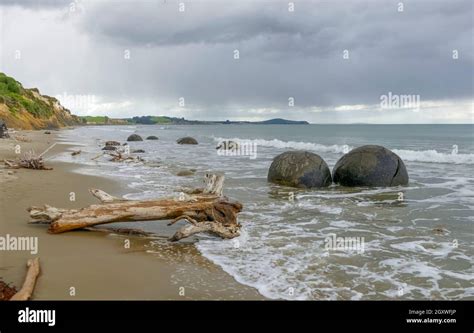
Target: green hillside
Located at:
point(28, 109)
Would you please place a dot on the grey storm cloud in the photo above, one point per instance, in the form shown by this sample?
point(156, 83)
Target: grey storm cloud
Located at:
point(36, 4)
point(315, 28)
point(406, 52)
point(206, 22)
point(282, 54)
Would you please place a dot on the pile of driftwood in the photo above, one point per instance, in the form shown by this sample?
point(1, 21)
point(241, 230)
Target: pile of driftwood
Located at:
point(207, 210)
point(119, 157)
point(28, 160)
point(10, 293)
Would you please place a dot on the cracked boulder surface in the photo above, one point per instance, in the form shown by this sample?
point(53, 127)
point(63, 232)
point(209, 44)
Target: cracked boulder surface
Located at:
point(373, 166)
point(299, 169)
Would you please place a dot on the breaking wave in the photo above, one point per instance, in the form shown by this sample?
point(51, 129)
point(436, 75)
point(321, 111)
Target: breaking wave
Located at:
point(427, 156)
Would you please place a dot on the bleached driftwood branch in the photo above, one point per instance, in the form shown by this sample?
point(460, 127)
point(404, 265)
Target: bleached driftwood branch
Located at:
point(206, 210)
point(30, 280)
point(28, 160)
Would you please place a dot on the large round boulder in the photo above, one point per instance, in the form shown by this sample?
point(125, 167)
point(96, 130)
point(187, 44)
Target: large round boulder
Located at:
point(299, 169)
point(134, 137)
point(187, 141)
point(370, 166)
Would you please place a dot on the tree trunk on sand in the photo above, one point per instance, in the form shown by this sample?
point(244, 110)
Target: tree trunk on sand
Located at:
point(30, 280)
point(206, 210)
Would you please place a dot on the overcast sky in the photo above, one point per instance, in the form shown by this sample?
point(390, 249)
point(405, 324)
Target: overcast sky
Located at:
point(336, 60)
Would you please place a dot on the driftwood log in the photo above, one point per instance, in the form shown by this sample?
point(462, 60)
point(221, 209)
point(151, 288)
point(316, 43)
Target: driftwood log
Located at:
point(207, 210)
point(30, 280)
point(28, 160)
point(120, 157)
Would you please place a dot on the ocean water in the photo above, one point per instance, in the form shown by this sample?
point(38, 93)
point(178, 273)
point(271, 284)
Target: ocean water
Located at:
point(421, 247)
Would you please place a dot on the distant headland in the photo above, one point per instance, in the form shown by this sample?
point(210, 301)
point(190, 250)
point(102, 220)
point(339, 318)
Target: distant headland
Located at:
point(23, 108)
point(164, 120)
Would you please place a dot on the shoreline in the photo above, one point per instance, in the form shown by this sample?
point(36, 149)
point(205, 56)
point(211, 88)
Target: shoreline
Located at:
point(82, 262)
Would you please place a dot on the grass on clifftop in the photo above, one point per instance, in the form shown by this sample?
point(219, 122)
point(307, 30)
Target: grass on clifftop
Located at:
point(16, 97)
point(95, 119)
point(150, 120)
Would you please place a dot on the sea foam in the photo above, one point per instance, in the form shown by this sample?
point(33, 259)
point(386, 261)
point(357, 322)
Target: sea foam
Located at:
point(427, 156)
point(275, 143)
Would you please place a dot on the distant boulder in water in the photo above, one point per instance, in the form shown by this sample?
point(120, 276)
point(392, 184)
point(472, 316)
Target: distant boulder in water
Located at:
point(182, 173)
point(299, 169)
point(370, 166)
point(112, 143)
point(152, 137)
point(138, 151)
point(187, 141)
point(134, 137)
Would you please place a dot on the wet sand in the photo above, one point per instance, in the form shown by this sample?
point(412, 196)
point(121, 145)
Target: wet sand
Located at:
point(97, 265)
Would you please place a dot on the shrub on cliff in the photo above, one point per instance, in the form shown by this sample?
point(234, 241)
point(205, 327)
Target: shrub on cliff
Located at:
point(28, 109)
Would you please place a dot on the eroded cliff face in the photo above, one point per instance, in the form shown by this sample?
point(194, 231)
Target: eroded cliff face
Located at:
point(23, 108)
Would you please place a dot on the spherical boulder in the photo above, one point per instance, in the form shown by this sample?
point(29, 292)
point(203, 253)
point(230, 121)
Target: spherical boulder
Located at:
point(370, 165)
point(134, 137)
point(187, 141)
point(183, 173)
point(299, 169)
point(152, 137)
point(112, 143)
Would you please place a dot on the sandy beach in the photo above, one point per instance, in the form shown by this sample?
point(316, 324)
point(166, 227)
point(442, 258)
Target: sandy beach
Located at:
point(97, 265)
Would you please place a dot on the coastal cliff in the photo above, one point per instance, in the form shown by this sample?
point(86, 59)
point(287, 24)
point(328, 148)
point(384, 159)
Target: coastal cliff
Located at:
point(24, 108)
